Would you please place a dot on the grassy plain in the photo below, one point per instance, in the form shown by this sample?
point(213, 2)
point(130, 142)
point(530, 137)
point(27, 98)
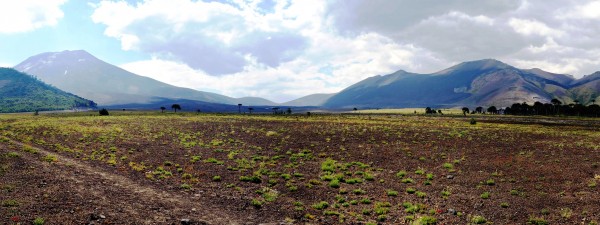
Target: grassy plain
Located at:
point(137, 167)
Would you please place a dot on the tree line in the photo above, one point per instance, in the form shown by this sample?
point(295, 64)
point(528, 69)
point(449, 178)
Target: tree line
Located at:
point(554, 108)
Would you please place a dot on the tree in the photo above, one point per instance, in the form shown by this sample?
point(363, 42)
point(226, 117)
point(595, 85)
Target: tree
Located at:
point(162, 109)
point(289, 111)
point(250, 110)
point(428, 110)
point(538, 107)
point(479, 109)
point(556, 104)
point(275, 110)
point(240, 108)
point(176, 107)
point(465, 111)
point(492, 110)
point(103, 112)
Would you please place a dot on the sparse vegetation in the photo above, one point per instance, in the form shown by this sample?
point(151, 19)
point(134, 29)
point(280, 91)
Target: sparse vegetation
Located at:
point(343, 172)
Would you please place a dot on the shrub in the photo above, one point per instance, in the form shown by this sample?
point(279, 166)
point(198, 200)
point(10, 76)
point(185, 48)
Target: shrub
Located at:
point(425, 220)
point(216, 178)
point(256, 203)
point(10, 203)
point(38, 221)
point(448, 166)
point(537, 221)
point(410, 190)
point(359, 191)
point(478, 220)
point(320, 205)
point(485, 195)
point(504, 205)
point(334, 183)
point(50, 158)
point(407, 181)
point(401, 174)
point(365, 201)
point(103, 112)
point(445, 194)
point(473, 121)
point(253, 179)
point(392, 193)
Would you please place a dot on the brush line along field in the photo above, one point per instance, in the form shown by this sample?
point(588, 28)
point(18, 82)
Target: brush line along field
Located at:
point(185, 168)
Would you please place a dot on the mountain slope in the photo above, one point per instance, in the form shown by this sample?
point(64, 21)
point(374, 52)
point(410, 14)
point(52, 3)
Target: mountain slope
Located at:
point(83, 74)
point(483, 82)
point(309, 100)
point(20, 92)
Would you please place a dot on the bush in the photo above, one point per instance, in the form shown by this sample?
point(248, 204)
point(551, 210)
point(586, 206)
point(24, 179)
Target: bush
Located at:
point(473, 122)
point(478, 220)
point(320, 205)
point(103, 112)
point(253, 179)
point(537, 221)
point(38, 221)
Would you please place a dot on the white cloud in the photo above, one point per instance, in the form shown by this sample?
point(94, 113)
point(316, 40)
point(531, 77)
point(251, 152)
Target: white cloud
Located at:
point(318, 70)
point(27, 15)
point(589, 10)
point(284, 54)
point(532, 27)
point(285, 49)
point(215, 37)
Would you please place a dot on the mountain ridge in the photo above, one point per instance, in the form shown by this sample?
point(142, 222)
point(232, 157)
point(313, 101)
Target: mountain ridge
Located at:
point(82, 73)
point(20, 92)
point(472, 83)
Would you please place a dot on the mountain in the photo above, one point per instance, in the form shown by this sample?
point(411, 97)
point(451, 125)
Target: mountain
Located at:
point(309, 100)
point(21, 92)
point(477, 83)
point(253, 101)
point(83, 74)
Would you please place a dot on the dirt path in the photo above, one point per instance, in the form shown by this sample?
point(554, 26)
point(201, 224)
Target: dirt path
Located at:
point(127, 198)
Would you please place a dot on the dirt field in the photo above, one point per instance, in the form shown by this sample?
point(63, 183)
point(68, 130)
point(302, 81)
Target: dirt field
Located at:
point(165, 168)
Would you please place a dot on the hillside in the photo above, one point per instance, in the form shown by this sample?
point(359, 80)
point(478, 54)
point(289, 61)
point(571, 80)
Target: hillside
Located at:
point(483, 82)
point(20, 92)
point(309, 100)
point(83, 74)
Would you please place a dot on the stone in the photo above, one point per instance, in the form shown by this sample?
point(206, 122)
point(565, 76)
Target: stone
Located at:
point(451, 211)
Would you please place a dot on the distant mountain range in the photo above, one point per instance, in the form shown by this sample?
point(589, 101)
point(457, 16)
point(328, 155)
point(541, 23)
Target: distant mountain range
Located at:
point(309, 100)
point(85, 75)
point(20, 92)
point(477, 83)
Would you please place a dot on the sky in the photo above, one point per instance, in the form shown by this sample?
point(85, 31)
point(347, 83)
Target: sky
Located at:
point(281, 50)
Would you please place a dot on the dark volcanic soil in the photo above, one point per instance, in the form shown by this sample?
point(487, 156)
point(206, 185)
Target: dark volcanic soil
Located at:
point(148, 169)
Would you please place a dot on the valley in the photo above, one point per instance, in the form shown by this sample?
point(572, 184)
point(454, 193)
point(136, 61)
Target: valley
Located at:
point(188, 168)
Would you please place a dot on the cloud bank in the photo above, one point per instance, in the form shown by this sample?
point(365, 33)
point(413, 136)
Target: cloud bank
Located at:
point(285, 49)
point(27, 15)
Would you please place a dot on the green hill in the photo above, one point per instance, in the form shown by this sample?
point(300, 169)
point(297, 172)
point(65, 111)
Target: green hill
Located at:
point(20, 92)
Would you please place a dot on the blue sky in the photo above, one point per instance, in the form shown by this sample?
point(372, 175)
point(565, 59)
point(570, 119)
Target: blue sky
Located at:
point(75, 30)
point(286, 49)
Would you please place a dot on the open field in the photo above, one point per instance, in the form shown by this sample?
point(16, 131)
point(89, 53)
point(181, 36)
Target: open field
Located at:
point(408, 111)
point(155, 168)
